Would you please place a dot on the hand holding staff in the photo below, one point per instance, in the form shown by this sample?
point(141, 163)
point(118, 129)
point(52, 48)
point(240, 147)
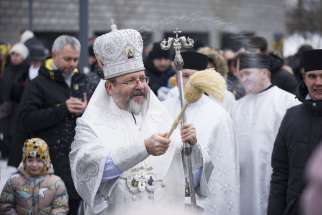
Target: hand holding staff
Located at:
point(207, 81)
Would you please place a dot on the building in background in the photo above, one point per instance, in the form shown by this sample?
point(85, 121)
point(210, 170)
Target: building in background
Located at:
point(207, 20)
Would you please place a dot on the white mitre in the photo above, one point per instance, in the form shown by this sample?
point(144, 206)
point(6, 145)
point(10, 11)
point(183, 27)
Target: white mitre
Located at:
point(119, 52)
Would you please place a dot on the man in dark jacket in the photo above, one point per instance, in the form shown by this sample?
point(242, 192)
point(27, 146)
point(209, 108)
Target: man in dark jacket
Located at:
point(281, 77)
point(158, 67)
point(51, 104)
point(299, 134)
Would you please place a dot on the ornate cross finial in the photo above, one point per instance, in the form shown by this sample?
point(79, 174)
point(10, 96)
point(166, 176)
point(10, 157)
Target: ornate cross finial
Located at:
point(178, 43)
point(177, 32)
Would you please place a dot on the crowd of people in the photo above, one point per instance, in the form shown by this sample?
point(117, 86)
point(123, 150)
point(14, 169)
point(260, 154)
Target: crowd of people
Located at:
point(97, 142)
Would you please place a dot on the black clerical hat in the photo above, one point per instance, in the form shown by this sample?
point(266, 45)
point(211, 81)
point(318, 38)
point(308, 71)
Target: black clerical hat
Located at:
point(38, 53)
point(252, 60)
point(157, 52)
point(194, 60)
point(312, 60)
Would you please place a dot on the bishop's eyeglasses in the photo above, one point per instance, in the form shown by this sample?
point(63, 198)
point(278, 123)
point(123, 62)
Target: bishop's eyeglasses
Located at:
point(134, 81)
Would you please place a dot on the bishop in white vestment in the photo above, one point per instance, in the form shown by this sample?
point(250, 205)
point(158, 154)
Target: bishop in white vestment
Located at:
point(121, 158)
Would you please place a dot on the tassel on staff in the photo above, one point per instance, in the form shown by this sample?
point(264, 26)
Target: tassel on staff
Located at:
point(207, 81)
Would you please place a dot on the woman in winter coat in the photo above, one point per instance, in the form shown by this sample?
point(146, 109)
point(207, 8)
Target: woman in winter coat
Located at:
point(13, 83)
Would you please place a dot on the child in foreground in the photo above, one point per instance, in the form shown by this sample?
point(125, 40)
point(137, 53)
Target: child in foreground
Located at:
point(34, 189)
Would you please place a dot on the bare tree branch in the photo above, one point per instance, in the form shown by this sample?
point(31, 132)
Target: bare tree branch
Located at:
point(305, 18)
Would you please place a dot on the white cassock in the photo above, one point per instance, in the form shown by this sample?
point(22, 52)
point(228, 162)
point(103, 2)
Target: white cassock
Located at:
point(106, 132)
point(257, 118)
point(229, 101)
point(216, 137)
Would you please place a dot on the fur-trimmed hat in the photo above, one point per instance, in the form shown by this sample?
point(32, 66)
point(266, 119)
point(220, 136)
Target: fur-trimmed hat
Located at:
point(216, 59)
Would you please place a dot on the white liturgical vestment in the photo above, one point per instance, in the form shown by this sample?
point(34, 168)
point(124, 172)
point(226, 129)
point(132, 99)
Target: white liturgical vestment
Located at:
point(216, 136)
point(257, 118)
point(106, 132)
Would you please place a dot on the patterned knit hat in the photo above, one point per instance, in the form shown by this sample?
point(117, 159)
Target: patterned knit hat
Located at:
point(37, 148)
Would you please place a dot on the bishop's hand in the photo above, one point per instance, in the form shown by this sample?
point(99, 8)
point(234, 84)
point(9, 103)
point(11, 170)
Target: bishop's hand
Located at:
point(157, 144)
point(188, 134)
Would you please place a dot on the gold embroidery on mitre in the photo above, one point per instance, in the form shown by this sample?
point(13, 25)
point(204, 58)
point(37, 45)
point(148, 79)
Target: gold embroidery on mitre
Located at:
point(129, 52)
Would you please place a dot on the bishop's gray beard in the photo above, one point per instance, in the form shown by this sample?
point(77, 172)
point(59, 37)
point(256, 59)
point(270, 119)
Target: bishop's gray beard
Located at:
point(136, 108)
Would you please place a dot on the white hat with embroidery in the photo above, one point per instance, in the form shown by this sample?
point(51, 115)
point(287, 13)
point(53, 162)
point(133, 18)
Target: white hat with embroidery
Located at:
point(119, 52)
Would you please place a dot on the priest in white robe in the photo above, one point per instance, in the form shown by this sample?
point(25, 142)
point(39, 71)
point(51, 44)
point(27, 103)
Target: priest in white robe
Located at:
point(121, 158)
point(257, 118)
point(216, 136)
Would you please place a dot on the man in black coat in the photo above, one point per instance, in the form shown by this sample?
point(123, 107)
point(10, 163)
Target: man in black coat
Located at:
point(299, 134)
point(51, 104)
point(158, 67)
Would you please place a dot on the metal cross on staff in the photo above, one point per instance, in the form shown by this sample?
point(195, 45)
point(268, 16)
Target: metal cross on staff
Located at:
point(178, 43)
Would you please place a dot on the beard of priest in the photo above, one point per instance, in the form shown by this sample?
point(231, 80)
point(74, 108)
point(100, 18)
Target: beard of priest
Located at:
point(129, 92)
